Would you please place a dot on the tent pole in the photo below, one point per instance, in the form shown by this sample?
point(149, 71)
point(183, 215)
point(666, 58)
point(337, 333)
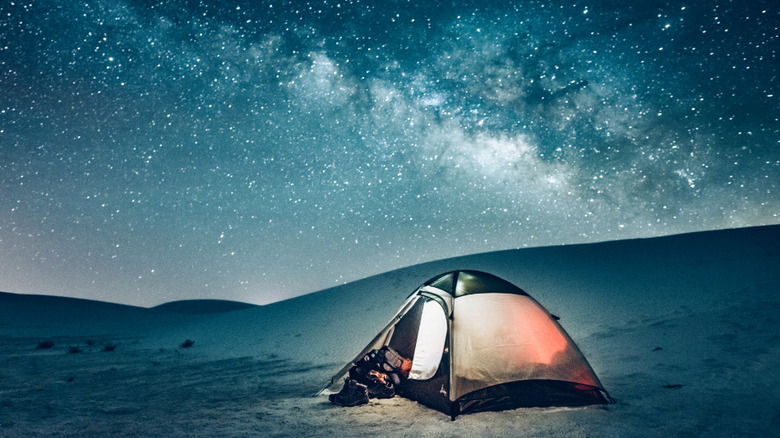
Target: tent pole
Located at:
point(453, 409)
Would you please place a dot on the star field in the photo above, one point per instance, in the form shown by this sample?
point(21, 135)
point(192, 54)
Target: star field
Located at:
point(154, 151)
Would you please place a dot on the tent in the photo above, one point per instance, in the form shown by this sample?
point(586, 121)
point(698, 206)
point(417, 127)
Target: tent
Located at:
point(480, 343)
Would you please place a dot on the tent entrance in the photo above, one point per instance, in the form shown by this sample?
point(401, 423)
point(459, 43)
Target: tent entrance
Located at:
point(422, 334)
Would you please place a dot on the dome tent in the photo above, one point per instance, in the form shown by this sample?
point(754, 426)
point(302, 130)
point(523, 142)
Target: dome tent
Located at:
point(480, 343)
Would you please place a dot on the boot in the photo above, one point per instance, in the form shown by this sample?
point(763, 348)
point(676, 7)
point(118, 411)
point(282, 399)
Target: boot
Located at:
point(381, 390)
point(352, 394)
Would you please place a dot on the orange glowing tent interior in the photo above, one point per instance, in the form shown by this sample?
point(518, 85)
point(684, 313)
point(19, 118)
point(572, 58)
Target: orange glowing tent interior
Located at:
point(480, 343)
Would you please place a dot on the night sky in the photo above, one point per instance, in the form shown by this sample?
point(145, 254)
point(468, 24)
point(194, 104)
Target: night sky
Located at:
point(152, 151)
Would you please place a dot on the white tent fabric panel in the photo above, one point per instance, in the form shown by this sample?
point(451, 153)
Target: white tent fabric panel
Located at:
point(500, 338)
point(430, 342)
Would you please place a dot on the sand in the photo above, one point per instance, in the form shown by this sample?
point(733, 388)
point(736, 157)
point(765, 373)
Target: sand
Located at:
point(682, 331)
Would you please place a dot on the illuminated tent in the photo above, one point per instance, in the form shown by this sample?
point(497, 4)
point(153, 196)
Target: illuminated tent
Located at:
point(480, 343)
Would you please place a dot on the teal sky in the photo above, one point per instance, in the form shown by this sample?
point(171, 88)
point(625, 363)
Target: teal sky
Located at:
point(254, 151)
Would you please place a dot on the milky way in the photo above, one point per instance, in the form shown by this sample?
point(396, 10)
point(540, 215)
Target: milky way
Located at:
point(254, 150)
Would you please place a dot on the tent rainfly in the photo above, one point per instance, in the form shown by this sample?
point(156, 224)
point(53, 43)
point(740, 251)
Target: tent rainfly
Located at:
point(480, 343)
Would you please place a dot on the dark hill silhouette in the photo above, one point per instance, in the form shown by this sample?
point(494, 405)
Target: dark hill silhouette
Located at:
point(200, 307)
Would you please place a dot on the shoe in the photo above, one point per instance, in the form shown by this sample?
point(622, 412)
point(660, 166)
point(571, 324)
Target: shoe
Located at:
point(352, 394)
point(379, 390)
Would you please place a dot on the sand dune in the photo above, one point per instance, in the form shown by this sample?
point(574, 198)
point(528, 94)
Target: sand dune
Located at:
point(682, 330)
